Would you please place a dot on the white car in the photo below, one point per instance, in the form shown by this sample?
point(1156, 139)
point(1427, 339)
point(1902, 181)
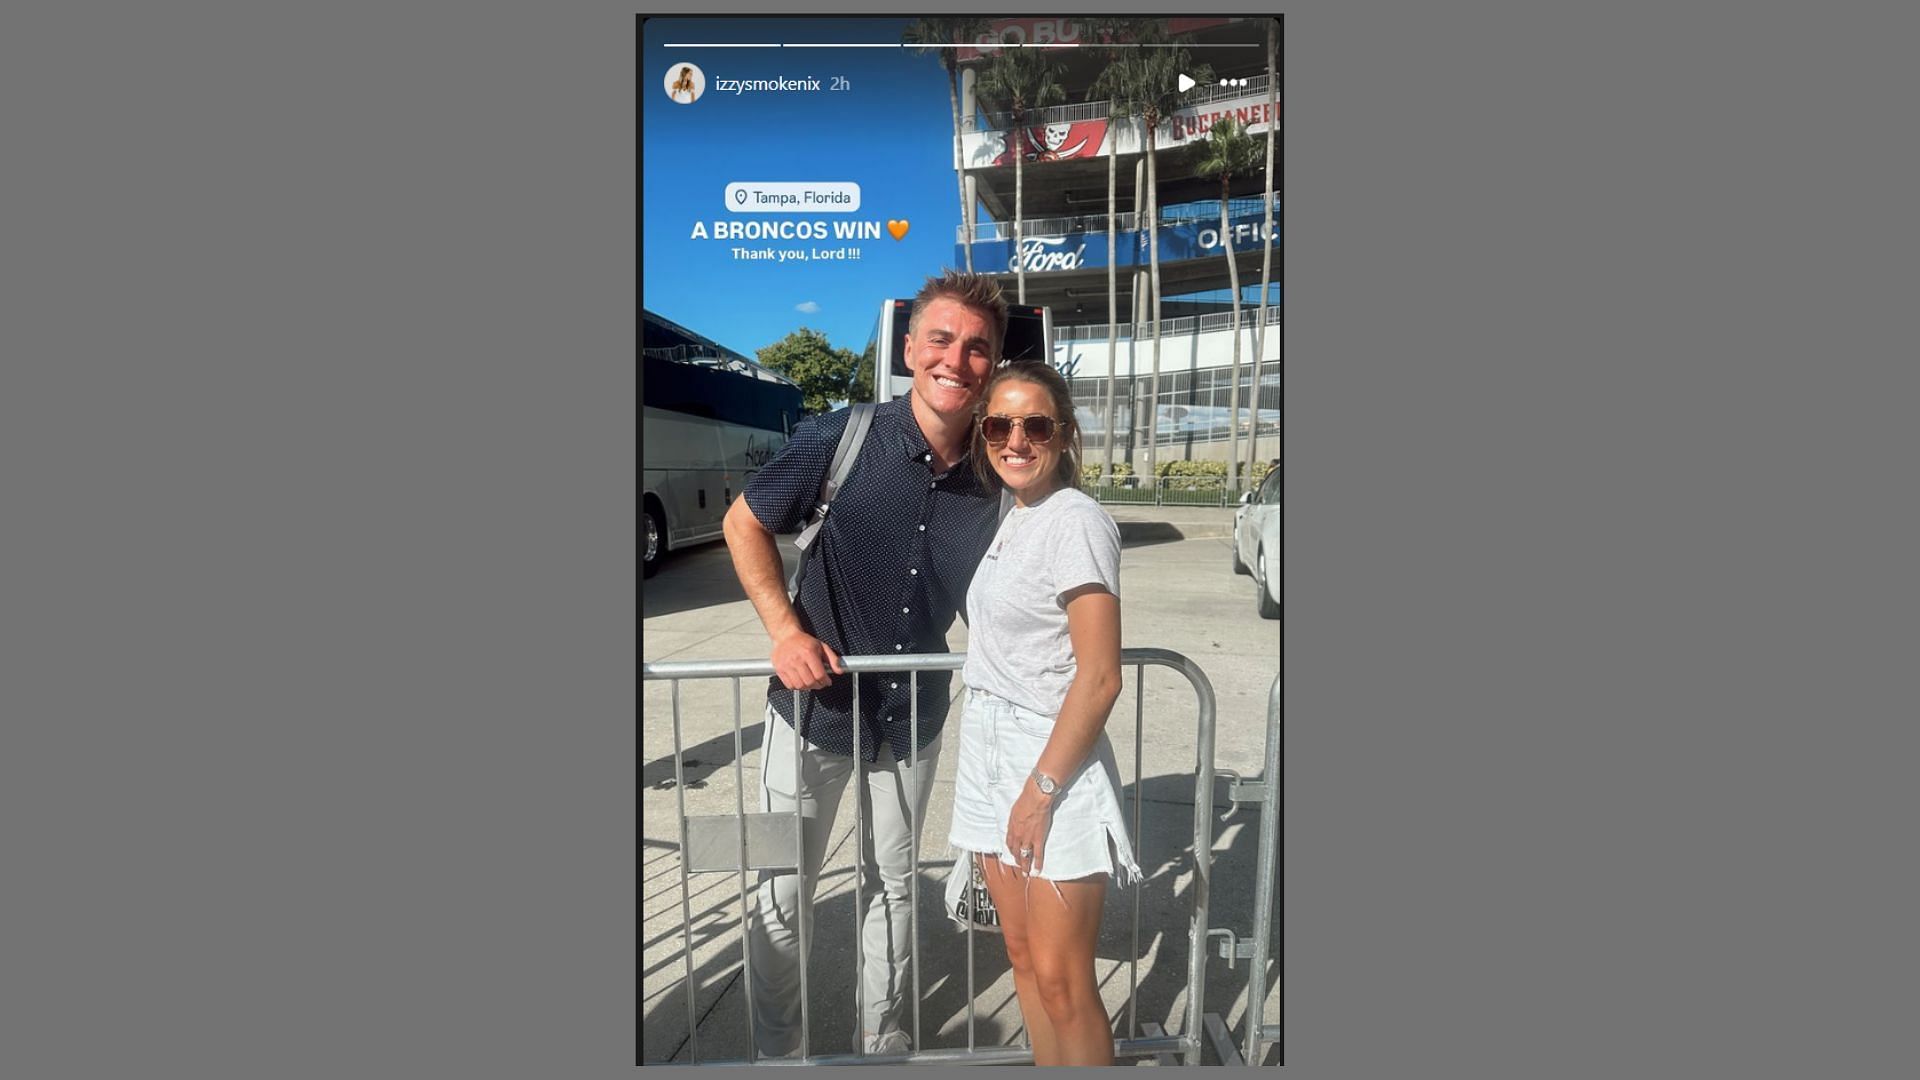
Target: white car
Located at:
point(1256, 543)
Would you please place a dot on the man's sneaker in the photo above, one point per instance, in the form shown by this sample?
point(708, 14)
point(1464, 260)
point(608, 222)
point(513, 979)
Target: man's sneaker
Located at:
point(892, 1042)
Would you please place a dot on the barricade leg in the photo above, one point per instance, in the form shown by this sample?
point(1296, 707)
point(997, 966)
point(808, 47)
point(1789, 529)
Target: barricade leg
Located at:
point(913, 874)
point(859, 872)
point(686, 904)
point(1140, 853)
point(1268, 871)
point(740, 808)
point(800, 844)
point(1202, 879)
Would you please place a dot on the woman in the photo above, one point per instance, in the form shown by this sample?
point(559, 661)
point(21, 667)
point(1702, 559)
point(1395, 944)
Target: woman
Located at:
point(1036, 787)
point(683, 85)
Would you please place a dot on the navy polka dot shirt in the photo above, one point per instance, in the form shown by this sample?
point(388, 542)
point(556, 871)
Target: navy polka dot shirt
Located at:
point(889, 570)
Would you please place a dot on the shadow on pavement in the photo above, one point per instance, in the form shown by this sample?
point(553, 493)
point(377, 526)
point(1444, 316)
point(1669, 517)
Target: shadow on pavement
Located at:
point(702, 759)
point(1164, 851)
point(830, 975)
point(698, 577)
point(1146, 533)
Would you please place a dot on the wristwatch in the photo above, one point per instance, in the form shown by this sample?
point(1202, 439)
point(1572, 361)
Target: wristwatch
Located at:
point(1047, 784)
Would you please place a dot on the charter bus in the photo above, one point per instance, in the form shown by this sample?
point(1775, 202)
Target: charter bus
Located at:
point(1029, 337)
point(711, 420)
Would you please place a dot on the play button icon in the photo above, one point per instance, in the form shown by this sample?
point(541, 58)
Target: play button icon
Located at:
point(1186, 83)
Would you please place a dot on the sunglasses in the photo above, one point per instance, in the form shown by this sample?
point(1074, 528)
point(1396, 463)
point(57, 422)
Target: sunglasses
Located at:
point(1039, 428)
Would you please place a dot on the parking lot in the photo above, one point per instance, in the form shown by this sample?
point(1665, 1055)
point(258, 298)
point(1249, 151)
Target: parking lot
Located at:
point(1177, 592)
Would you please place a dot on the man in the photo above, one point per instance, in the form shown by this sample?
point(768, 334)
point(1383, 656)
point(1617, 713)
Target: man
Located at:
point(889, 571)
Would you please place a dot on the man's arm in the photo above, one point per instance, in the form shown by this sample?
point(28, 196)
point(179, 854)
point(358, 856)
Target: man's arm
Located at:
point(801, 660)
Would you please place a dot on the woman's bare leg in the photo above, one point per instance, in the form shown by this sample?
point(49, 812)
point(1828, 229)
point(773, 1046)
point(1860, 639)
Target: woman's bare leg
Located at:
point(1061, 932)
point(1008, 890)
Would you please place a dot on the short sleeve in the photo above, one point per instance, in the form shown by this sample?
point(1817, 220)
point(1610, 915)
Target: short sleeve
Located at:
point(783, 493)
point(1086, 551)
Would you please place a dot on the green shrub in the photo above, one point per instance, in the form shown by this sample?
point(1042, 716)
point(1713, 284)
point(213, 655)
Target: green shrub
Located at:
point(1191, 475)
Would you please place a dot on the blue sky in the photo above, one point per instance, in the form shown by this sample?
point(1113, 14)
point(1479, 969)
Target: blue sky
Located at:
point(891, 132)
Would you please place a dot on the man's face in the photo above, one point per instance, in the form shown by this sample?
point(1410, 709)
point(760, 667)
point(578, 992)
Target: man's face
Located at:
point(951, 354)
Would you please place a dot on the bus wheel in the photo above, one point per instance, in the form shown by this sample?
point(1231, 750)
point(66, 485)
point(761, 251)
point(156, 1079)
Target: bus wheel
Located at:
point(656, 542)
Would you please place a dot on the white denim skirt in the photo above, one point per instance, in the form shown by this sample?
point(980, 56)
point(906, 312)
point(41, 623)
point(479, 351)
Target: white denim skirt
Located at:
point(1000, 743)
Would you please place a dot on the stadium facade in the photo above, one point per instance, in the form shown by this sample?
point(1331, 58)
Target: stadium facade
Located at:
point(1063, 247)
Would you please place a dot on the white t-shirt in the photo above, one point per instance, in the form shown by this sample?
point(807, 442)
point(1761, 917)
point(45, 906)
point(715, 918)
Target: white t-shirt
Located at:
point(1017, 642)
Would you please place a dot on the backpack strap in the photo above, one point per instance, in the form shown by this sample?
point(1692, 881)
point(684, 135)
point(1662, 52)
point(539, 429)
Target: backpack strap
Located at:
point(844, 455)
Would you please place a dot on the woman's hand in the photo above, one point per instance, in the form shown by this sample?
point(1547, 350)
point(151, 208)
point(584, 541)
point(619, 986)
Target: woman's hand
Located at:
point(1027, 828)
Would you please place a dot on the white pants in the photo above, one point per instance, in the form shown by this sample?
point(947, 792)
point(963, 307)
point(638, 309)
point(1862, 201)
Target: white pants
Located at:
point(886, 868)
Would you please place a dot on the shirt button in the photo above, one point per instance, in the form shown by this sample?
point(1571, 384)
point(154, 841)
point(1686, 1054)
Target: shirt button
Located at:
point(926, 457)
point(933, 483)
point(913, 570)
point(897, 648)
point(903, 611)
point(923, 528)
point(893, 686)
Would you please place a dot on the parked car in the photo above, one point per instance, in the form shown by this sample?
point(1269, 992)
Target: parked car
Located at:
point(1256, 542)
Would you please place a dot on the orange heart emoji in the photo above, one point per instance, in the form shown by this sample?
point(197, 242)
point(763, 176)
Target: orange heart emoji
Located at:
point(897, 228)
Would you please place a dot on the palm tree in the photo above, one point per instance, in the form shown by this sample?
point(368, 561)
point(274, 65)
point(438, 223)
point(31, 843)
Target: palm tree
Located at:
point(934, 36)
point(1020, 81)
point(1230, 151)
point(1266, 255)
point(1144, 82)
point(1109, 31)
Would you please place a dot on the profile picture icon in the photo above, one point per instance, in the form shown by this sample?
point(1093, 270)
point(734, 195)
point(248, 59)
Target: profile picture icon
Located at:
point(685, 83)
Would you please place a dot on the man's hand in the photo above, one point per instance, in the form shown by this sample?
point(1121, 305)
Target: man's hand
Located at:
point(802, 661)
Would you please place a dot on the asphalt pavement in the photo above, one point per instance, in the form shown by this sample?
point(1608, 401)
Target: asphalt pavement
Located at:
point(1178, 592)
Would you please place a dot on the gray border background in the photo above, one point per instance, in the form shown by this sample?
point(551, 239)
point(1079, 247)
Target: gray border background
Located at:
point(317, 423)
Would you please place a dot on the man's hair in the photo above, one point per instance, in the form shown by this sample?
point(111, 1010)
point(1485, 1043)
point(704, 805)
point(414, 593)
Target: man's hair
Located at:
point(1067, 439)
point(977, 291)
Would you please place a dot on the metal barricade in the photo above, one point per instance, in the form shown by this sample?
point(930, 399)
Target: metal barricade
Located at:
point(1264, 791)
point(758, 843)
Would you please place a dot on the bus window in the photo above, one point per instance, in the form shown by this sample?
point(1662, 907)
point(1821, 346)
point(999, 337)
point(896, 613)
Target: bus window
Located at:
point(1029, 337)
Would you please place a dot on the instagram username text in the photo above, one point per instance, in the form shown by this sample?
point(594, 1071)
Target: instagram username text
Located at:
point(781, 85)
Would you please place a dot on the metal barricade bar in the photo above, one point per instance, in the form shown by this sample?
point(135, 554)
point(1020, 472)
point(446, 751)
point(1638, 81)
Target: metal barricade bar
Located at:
point(686, 909)
point(859, 873)
point(913, 838)
point(746, 853)
point(740, 807)
point(1264, 887)
point(1166, 1045)
point(1256, 947)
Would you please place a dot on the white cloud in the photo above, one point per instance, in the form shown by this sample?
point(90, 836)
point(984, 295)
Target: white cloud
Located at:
point(809, 307)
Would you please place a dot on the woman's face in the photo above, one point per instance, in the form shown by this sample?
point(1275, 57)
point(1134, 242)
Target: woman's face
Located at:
point(1028, 468)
